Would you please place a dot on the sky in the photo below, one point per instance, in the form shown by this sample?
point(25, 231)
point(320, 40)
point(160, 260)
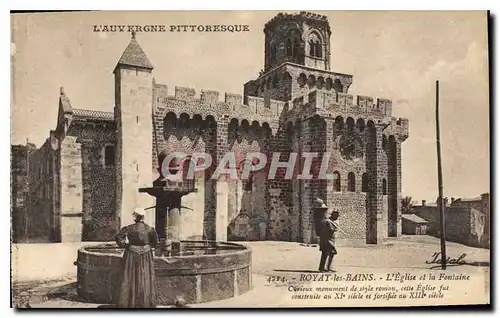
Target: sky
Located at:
point(395, 55)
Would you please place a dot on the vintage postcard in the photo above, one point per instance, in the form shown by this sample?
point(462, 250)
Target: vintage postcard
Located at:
point(253, 159)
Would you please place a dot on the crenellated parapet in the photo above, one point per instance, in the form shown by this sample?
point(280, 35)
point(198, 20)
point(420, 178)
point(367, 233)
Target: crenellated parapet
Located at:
point(208, 103)
point(303, 16)
point(280, 17)
point(331, 104)
point(233, 100)
point(318, 102)
point(289, 80)
point(398, 127)
point(380, 107)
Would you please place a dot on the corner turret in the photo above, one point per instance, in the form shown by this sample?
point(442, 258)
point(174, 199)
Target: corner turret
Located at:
point(134, 135)
point(134, 56)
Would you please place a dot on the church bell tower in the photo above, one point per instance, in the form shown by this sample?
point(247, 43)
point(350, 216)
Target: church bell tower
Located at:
point(302, 39)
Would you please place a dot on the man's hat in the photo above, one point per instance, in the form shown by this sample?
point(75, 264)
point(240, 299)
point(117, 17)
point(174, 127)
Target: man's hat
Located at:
point(322, 209)
point(319, 201)
point(320, 204)
point(139, 212)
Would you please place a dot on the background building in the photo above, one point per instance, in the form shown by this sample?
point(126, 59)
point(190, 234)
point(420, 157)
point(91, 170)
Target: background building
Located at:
point(467, 221)
point(414, 225)
point(19, 189)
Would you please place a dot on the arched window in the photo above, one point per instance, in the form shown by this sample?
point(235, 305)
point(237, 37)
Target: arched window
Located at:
point(319, 50)
point(109, 155)
point(272, 54)
point(338, 86)
point(184, 121)
point(360, 125)
point(170, 121)
point(289, 47)
point(384, 187)
point(315, 49)
point(312, 48)
point(274, 82)
point(351, 182)
point(296, 51)
point(336, 181)
point(364, 182)
point(350, 124)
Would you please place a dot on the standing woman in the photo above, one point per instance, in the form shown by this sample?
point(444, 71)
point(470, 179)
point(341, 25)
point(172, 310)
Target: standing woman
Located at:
point(137, 287)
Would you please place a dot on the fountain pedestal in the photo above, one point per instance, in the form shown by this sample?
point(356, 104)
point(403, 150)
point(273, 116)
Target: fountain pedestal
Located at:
point(168, 196)
point(197, 271)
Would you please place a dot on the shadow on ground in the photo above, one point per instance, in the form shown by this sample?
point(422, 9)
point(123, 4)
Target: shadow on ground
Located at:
point(65, 292)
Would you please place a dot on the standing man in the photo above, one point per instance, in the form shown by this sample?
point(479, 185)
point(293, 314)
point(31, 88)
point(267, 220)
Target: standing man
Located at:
point(327, 231)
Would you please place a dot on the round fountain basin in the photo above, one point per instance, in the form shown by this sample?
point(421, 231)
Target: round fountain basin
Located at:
point(205, 271)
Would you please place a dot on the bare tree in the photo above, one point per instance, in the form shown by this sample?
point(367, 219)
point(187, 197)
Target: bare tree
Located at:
point(406, 205)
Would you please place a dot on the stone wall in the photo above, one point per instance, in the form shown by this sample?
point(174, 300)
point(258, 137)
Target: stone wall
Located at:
point(483, 206)
point(282, 208)
point(134, 140)
point(41, 211)
point(71, 190)
point(352, 217)
point(463, 225)
point(19, 191)
point(279, 195)
point(478, 231)
point(88, 180)
point(246, 196)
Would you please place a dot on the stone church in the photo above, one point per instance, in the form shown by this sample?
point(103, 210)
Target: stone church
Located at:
point(83, 181)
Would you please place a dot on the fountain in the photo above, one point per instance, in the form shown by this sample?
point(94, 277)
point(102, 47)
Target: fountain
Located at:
point(197, 271)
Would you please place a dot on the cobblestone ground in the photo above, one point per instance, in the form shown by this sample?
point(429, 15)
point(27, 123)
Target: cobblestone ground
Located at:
point(50, 282)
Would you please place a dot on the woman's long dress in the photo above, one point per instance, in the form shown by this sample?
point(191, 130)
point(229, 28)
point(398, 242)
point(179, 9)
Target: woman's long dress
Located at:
point(137, 287)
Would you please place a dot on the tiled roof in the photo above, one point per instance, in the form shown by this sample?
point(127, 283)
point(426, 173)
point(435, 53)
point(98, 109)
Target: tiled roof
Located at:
point(470, 199)
point(65, 103)
point(134, 55)
point(92, 114)
point(413, 218)
point(427, 204)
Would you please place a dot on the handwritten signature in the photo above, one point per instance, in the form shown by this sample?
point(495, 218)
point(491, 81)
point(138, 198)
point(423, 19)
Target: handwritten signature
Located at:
point(437, 259)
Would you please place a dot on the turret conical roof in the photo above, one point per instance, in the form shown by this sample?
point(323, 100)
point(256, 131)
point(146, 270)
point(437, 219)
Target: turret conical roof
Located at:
point(134, 55)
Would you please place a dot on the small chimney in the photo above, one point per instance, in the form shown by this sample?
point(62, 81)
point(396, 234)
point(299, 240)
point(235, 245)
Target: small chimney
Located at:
point(445, 202)
point(423, 202)
point(61, 90)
